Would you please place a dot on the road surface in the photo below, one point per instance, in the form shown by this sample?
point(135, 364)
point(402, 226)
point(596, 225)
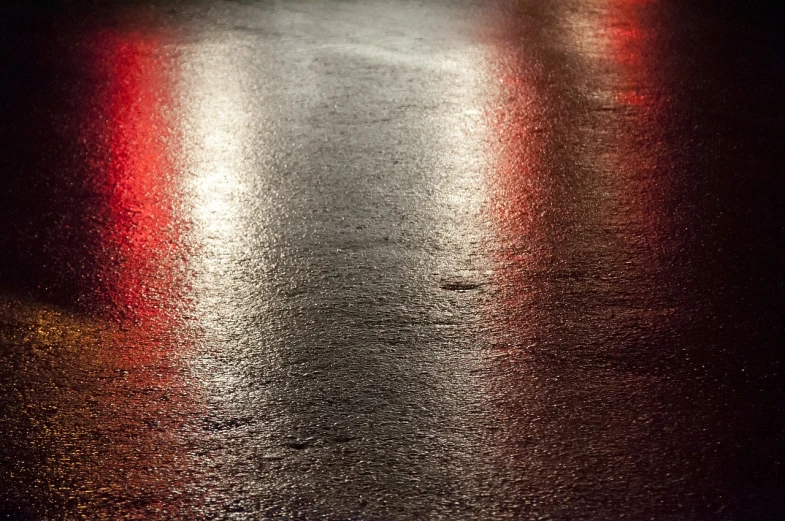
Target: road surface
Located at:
point(392, 260)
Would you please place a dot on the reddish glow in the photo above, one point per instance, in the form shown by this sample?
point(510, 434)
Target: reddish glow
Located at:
point(525, 244)
point(575, 209)
point(141, 278)
point(628, 42)
point(640, 153)
point(519, 128)
point(519, 193)
point(142, 237)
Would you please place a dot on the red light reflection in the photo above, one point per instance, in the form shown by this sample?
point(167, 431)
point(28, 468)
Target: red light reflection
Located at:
point(142, 240)
point(577, 209)
point(520, 190)
point(141, 279)
point(640, 154)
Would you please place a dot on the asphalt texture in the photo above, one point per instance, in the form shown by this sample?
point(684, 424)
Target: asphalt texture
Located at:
point(392, 260)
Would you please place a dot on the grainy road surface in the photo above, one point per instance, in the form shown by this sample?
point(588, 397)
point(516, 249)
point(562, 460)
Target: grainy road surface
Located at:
point(392, 260)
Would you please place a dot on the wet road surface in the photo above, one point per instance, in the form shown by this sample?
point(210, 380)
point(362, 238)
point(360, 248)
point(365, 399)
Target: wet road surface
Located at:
point(392, 260)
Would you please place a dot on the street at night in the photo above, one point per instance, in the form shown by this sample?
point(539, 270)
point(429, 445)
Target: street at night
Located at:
point(392, 260)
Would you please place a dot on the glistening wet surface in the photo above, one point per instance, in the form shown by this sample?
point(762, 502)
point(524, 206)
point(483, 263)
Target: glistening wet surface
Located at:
point(392, 260)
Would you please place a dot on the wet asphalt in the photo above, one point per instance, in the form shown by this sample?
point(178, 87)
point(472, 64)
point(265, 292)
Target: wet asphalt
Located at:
point(392, 260)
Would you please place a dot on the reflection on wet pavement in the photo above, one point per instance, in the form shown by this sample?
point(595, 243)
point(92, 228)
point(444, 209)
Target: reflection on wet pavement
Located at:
point(615, 368)
point(387, 261)
point(97, 378)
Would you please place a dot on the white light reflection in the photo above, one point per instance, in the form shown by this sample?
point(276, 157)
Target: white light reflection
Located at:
point(216, 125)
point(272, 315)
point(220, 89)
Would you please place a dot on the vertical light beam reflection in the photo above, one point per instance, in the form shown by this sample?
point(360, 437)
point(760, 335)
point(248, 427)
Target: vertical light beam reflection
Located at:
point(217, 123)
point(123, 424)
point(143, 240)
point(224, 155)
point(335, 209)
point(589, 321)
point(525, 232)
